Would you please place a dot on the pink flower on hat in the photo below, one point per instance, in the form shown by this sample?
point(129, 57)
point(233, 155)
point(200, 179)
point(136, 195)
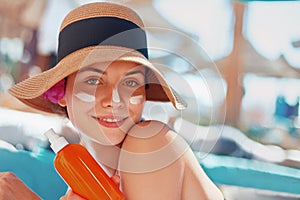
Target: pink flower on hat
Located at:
point(56, 92)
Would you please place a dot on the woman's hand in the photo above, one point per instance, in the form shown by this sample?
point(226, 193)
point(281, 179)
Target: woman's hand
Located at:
point(70, 195)
point(11, 187)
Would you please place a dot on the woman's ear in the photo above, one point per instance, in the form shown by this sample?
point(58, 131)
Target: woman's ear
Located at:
point(62, 102)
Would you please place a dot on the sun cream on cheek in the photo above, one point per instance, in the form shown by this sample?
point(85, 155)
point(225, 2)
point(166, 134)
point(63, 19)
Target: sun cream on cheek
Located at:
point(136, 99)
point(85, 97)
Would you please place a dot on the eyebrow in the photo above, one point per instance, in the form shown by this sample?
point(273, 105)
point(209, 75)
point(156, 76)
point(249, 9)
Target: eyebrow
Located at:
point(103, 72)
point(135, 72)
point(92, 69)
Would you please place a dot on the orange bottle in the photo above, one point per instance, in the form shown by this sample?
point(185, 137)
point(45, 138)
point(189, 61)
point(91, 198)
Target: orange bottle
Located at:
point(81, 171)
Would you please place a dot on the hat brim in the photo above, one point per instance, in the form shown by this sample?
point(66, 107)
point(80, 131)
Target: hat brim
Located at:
point(30, 91)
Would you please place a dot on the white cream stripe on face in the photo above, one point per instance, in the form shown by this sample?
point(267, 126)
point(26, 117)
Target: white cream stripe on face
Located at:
point(85, 97)
point(136, 99)
point(115, 96)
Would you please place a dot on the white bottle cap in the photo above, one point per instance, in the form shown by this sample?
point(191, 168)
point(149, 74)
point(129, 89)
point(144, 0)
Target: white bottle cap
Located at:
point(57, 142)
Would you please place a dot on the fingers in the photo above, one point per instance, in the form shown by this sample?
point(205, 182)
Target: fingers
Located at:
point(116, 179)
point(70, 195)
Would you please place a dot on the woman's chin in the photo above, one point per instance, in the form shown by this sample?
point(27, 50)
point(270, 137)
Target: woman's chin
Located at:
point(111, 139)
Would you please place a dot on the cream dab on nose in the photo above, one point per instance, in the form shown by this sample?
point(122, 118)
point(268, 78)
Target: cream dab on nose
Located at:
point(136, 99)
point(115, 96)
point(85, 97)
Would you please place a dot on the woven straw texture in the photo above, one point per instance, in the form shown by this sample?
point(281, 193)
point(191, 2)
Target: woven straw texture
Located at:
point(102, 10)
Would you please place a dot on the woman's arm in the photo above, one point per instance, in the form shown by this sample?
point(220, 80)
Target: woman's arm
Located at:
point(149, 167)
point(156, 163)
point(196, 183)
point(11, 187)
point(165, 183)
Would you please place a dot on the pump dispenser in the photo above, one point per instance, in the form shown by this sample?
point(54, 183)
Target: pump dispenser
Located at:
point(57, 142)
point(81, 171)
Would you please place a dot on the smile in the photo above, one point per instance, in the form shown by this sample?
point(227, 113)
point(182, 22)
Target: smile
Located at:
point(110, 122)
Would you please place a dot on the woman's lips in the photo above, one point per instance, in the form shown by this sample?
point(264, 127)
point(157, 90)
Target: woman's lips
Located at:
point(110, 122)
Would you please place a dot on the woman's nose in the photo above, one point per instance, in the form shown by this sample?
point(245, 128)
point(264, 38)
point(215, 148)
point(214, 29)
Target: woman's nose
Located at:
point(110, 98)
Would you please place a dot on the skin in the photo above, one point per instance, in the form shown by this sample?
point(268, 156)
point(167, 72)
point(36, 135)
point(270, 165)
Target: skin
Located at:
point(179, 173)
point(167, 158)
point(8, 184)
point(101, 80)
point(154, 162)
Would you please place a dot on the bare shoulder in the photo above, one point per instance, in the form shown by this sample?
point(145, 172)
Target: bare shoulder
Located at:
point(149, 136)
point(161, 163)
point(153, 143)
point(150, 159)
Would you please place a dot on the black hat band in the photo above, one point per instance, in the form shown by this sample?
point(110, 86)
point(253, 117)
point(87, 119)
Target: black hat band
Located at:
point(102, 31)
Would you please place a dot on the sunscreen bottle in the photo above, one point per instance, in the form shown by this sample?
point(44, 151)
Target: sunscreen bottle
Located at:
point(81, 171)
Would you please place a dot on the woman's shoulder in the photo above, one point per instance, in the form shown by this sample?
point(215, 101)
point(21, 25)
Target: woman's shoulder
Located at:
point(151, 159)
point(156, 158)
point(153, 145)
point(151, 135)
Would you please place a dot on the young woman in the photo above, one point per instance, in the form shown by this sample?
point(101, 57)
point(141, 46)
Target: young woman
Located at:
point(100, 82)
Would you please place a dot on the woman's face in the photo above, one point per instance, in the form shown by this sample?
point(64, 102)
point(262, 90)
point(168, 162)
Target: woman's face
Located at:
point(105, 100)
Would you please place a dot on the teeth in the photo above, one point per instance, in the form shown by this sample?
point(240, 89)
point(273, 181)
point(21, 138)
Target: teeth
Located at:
point(110, 120)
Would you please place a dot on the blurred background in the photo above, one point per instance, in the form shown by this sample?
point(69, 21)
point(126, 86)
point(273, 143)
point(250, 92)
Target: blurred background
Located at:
point(237, 64)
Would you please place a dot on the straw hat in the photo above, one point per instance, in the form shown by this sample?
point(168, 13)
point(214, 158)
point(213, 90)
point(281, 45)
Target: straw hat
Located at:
point(96, 32)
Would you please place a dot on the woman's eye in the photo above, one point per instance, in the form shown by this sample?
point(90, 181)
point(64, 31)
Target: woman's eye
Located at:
point(93, 81)
point(131, 83)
